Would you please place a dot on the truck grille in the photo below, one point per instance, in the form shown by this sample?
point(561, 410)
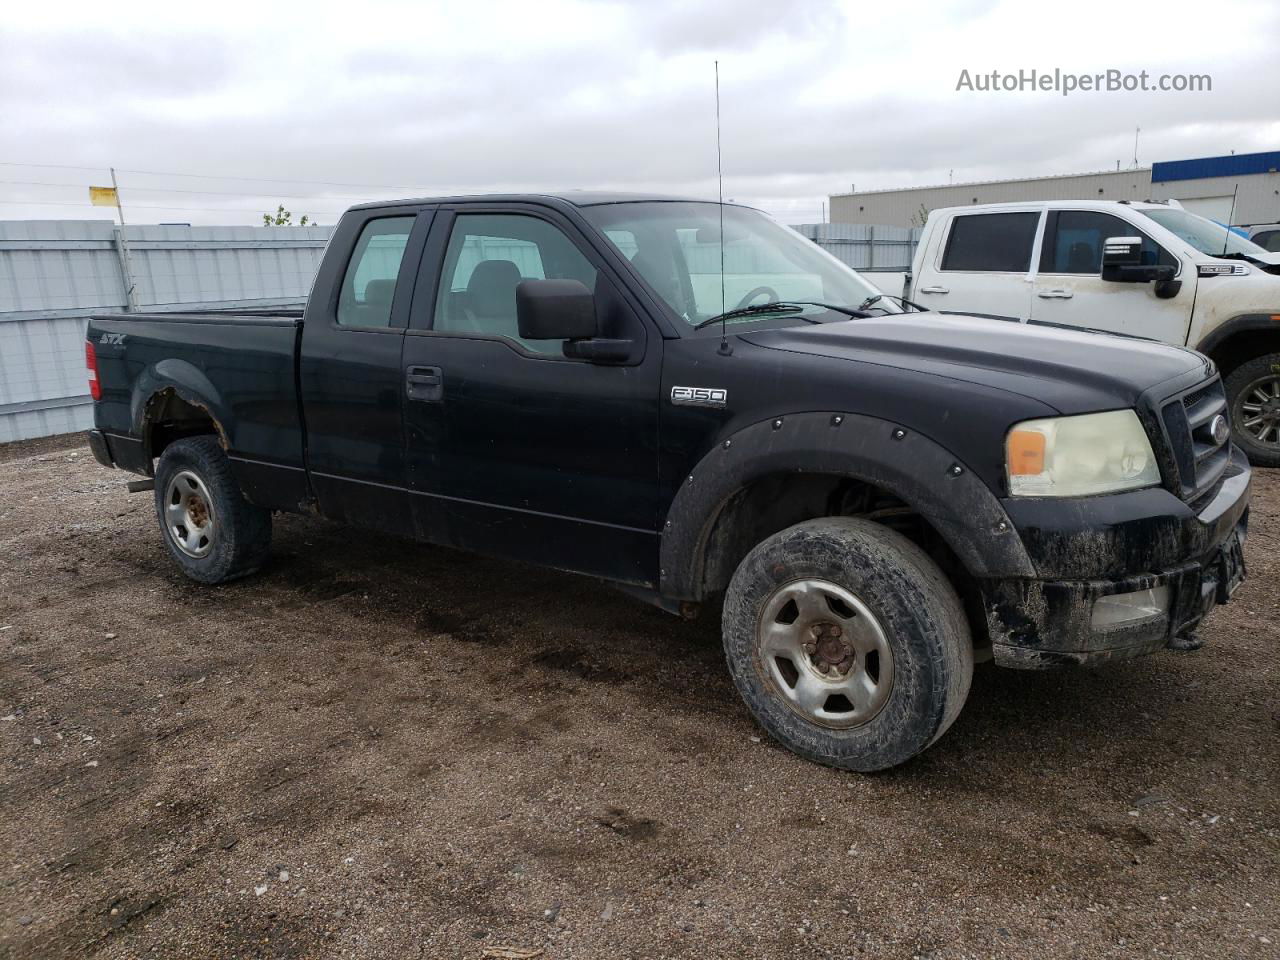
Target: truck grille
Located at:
point(1188, 420)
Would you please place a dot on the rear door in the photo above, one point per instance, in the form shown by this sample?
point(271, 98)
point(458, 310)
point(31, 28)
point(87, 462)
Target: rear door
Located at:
point(514, 449)
point(349, 367)
point(1069, 287)
point(982, 265)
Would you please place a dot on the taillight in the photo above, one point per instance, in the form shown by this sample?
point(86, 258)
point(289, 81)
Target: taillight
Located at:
point(91, 362)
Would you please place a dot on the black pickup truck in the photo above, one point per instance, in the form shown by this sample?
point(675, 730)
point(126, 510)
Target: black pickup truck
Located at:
point(693, 402)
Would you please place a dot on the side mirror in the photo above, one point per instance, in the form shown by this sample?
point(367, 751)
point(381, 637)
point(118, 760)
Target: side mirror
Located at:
point(1122, 259)
point(555, 310)
point(1122, 262)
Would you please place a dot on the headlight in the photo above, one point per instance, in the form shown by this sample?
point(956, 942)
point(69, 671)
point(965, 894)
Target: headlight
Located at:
point(1079, 456)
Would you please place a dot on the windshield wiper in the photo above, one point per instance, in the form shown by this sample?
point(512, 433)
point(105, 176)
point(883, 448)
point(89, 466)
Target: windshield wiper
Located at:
point(873, 300)
point(1236, 255)
point(779, 306)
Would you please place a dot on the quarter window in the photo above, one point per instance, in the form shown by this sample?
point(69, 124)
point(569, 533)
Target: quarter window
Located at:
point(370, 283)
point(487, 258)
point(991, 242)
point(1073, 242)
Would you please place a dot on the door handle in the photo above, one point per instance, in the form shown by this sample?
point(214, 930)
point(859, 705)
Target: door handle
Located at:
point(424, 383)
point(934, 289)
point(1057, 293)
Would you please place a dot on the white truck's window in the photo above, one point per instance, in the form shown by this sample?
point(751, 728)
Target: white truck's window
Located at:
point(1074, 238)
point(488, 255)
point(1268, 240)
point(991, 242)
point(370, 283)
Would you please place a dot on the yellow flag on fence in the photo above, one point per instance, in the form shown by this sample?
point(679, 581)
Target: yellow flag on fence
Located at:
point(102, 196)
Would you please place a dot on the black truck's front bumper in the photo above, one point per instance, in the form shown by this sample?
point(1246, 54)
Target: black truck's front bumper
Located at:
point(1161, 564)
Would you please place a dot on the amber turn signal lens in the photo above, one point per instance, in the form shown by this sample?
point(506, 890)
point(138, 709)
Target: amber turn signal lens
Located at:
point(1026, 453)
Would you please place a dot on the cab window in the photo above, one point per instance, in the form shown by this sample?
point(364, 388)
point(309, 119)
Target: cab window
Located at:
point(487, 257)
point(1268, 240)
point(1073, 242)
point(991, 242)
point(370, 282)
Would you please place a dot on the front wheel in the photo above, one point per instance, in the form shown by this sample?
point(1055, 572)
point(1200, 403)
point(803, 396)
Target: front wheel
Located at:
point(212, 532)
point(847, 643)
point(1253, 390)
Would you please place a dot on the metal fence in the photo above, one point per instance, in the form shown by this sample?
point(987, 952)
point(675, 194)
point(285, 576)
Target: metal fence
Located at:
point(866, 248)
point(55, 273)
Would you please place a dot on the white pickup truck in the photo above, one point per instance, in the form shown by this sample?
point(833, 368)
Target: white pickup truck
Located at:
point(1144, 269)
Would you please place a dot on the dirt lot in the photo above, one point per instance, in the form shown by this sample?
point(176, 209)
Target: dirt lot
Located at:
point(376, 749)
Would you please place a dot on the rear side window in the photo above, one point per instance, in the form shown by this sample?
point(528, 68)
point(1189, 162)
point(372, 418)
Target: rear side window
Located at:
point(1074, 238)
point(370, 283)
point(1268, 240)
point(991, 242)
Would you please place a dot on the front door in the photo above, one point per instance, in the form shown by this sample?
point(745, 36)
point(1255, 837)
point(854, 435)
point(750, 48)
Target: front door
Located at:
point(513, 449)
point(1069, 287)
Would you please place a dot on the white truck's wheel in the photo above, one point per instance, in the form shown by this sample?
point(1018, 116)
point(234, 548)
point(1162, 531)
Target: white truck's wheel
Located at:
point(1253, 390)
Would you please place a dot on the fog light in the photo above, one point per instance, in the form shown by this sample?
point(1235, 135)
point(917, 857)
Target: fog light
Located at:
point(1122, 609)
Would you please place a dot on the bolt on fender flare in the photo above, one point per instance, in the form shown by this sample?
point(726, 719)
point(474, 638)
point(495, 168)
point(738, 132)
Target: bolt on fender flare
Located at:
point(927, 477)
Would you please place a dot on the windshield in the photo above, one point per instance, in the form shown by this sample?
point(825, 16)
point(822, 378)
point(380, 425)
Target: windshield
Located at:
point(1205, 235)
point(675, 246)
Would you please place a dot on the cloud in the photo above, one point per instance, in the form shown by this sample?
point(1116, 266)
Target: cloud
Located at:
point(435, 98)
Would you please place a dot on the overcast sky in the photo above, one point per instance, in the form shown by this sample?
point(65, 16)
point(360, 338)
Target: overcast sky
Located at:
point(424, 98)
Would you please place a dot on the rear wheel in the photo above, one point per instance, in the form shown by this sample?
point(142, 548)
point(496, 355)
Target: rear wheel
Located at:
point(212, 532)
point(1253, 390)
point(847, 643)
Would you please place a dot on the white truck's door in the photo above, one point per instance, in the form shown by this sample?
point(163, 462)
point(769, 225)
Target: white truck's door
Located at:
point(980, 263)
point(1069, 287)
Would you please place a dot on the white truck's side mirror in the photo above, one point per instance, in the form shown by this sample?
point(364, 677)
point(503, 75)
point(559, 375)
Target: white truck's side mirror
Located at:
point(1122, 263)
point(1122, 260)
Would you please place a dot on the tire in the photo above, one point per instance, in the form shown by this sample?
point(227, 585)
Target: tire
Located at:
point(212, 532)
point(905, 652)
point(1256, 385)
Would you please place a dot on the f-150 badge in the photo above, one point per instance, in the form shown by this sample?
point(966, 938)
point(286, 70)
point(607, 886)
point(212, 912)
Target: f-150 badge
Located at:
point(699, 396)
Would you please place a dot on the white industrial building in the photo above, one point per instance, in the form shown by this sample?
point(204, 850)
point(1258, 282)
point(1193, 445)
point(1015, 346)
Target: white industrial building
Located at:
point(1205, 186)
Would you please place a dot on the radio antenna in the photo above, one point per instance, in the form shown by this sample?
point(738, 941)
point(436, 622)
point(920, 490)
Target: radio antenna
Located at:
point(724, 342)
point(1230, 216)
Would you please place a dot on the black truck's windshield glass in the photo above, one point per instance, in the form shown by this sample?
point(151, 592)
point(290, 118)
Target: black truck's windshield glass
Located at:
point(1205, 235)
point(675, 246)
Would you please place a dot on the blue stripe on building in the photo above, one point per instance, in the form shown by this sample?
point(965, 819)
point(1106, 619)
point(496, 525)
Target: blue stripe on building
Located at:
point(1239, 165)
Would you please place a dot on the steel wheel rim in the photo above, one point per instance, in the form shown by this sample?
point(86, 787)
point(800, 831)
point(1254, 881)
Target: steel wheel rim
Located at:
point(1259, 409)
point(188, 514)
point(825, 653)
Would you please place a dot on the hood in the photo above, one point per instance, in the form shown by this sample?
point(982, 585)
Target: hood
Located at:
point(1073, 371)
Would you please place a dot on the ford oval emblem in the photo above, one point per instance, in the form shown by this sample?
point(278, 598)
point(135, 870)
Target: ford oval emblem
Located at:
point(1219, 430)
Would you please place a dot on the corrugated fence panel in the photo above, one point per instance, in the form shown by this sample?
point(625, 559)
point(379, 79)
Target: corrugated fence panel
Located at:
point(43, 386)
point(58, 264)
point(55, 273)
point(867, 248)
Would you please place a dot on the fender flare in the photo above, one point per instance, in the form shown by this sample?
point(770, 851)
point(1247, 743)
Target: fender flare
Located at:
point(180, 378)
point(1241, 323)
point(909, 465)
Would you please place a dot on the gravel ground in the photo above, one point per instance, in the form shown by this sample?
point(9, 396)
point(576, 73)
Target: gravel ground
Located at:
point(377, 749)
